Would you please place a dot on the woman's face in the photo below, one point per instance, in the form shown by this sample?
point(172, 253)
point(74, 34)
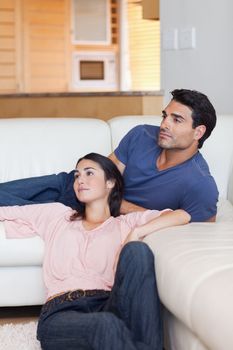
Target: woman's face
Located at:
point(90, 184)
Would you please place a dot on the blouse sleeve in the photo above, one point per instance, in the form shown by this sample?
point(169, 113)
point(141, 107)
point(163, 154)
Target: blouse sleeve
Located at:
point(30, 220)
point(135, 219)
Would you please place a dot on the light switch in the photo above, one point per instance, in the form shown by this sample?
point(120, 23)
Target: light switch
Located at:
point(170, 39)
point(187, 38)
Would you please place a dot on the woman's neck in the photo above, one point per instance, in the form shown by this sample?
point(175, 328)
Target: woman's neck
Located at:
point(96, 215)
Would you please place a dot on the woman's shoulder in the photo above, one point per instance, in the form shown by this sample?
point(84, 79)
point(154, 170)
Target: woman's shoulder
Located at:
point(56, 208)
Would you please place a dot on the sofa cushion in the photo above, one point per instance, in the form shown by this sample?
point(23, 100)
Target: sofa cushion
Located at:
point(121, 125)
point(42, 146)
point(20, 252)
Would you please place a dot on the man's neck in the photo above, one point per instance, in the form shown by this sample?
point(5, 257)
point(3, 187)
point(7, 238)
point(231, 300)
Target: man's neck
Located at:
point(169, 158)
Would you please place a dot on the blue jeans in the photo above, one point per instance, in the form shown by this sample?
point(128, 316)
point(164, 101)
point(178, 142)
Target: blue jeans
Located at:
point(126, 319)
point(41, 189)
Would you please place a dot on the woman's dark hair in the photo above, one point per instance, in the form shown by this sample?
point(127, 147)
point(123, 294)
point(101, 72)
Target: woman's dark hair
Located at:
point(203, 112)
point(111, 172)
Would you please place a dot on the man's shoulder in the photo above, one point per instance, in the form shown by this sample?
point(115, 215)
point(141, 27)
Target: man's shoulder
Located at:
point(141, 128)
point(197, 173)
point(193, 171)
point(144, 131)
point(139, 134)
point(199, 163)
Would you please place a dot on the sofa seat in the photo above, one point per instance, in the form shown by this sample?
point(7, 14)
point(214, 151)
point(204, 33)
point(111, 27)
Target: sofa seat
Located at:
point(194, 269)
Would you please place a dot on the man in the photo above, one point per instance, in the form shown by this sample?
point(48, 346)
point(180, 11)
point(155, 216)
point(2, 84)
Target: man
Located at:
point(162, 167)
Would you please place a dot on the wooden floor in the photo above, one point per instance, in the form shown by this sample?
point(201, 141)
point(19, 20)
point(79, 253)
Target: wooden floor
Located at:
point(19, 314)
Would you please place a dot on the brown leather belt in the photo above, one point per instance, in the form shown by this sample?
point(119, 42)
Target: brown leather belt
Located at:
point(73, 295)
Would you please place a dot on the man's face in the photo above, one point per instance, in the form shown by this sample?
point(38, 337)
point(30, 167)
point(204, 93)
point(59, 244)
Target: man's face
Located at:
point(176, 131)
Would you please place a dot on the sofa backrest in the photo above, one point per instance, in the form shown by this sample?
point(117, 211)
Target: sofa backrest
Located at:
point(217, 150)
point(121, 125)
point(39, 146)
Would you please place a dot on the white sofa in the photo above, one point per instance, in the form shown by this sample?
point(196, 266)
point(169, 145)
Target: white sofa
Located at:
point(194, 263)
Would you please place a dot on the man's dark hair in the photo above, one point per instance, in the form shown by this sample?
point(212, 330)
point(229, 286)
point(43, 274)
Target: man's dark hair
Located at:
point(203, 112)
point(111, 172)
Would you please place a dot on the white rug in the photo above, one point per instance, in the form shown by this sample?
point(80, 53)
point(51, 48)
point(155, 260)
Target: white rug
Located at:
point(20, 336)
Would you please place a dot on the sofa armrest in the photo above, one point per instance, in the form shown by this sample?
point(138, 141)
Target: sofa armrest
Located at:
point(230, 187)
point(225, 210)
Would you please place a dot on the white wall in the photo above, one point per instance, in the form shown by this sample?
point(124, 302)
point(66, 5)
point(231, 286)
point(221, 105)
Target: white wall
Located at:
point(209, 67)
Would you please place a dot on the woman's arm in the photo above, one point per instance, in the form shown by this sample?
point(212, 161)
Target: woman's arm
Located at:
point(30, 220)
point(166, 219)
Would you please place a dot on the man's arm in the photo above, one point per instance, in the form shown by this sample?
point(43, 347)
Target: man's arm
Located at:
point(118, 163)
point(201, 201)
point(126, 207)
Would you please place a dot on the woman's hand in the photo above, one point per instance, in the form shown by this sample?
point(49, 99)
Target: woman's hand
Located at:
point(166, 219)
point(132, 236)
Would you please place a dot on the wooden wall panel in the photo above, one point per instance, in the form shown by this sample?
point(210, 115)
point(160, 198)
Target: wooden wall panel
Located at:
point(150, 9)
point(7, 84)
point(7, 30)
point(7, 56)
point(7, 16)
point(47, 58)
point(8, 46)
point(7, 70)
point(45, 45)
point(7, 4)
point(99, 106)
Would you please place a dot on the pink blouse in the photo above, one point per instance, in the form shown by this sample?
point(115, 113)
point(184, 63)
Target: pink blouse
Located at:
point(74, 258)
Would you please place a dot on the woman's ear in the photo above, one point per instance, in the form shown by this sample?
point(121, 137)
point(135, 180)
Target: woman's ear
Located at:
point(110, 184)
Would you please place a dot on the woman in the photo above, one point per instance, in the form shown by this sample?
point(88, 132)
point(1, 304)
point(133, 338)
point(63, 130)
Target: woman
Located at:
point(89, 305)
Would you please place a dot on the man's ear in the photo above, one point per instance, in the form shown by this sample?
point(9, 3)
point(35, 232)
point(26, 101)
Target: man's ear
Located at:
point(110, 184)
point(199, 132)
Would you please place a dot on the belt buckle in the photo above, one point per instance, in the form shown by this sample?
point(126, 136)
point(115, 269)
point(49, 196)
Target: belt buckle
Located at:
point(81, 293)
point(75, 294)
point(69, 296)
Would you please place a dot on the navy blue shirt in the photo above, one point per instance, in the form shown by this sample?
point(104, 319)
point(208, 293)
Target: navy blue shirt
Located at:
point(187, 186)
